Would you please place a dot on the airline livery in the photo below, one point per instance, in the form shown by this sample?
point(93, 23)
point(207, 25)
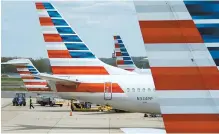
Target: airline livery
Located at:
point(28, 74)
point(80, 74)
point(133, 96)
point(181, 39)
point(186, 77)
point(124, 60)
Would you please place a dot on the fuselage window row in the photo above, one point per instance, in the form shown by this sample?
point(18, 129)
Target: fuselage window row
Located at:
point(139, 90)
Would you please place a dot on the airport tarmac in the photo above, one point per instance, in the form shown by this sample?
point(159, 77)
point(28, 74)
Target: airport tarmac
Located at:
point(19, 119)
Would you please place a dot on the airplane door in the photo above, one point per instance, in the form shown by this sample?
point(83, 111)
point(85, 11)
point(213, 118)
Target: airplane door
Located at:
point(107, 91)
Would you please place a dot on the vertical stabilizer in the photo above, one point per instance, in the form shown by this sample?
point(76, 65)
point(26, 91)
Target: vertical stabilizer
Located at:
point(185, 74)
point(28, 74)
point(123, 59)
point(67, 53)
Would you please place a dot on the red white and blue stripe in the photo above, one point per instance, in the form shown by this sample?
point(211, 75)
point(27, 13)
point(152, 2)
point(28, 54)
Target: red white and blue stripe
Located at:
point(206, 18)
point(175, 34)
point(28, 74)
point(68, 54)
point(123, 59)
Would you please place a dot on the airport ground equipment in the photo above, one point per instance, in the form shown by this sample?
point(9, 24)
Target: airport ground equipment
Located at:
point(19, 99)
point(56, 101)
point(39, 99)
point(88, 107)
point(76, 105)
point(105, 108)
point(79, 106)
point(50, 100)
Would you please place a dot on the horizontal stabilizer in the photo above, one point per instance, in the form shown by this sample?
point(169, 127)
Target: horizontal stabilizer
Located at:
point(58, 79)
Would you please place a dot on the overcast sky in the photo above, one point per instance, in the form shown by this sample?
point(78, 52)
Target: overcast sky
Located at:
point(95, 22)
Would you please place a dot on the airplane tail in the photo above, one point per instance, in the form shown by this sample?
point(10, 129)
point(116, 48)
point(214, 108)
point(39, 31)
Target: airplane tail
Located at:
point(213, 49)
point(185, 74)
point(68, 54)
point(123, 59)
point(28, 74)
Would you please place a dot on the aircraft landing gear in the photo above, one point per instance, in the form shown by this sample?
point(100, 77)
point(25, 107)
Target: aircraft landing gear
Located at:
point(145, 115)
point(150, 115)
point(153, 115)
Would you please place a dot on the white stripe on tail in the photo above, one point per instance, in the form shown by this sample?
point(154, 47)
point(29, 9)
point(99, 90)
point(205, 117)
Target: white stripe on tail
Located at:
point(28, 74)
point(68, 54)
point(123, 59)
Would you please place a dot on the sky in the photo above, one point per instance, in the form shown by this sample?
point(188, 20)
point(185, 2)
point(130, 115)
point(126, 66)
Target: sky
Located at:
point(94, 21)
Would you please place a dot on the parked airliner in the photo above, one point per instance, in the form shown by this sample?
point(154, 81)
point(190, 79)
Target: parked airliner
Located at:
point(78, 73)
point(182, 54)
point(123, 58)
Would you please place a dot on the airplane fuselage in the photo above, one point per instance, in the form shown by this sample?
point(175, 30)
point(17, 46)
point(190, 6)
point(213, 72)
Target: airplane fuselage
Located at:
point(125, 92)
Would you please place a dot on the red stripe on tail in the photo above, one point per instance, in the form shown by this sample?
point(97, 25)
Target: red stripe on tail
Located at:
point(80, 70)
point(185, 78)
point(21, 66)
point(170, 31)
point(40, 6)
point(52, 38)
point(35, 83)
point(191, 123)
point(46, 21)
point(38, 89)
point(120, 62)
point(23, 72)
point(117, 46)
point(118, 54)
point(58, 54)
point(27, 77)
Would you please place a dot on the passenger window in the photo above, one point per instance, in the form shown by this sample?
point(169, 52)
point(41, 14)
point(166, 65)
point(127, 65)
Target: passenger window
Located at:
point(138, 89)
point(133, 90)
point(143, 89)
point(128, 89)
point(149, 89)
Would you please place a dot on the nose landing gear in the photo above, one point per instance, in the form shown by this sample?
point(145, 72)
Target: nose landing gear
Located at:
point(145, 115)
point(151, 115)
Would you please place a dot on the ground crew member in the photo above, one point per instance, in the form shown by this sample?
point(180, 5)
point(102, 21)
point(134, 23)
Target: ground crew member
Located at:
point(31, 104)
point(72, 107)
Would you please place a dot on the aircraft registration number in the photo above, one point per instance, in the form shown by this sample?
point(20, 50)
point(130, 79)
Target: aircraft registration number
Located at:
point(144, 98)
